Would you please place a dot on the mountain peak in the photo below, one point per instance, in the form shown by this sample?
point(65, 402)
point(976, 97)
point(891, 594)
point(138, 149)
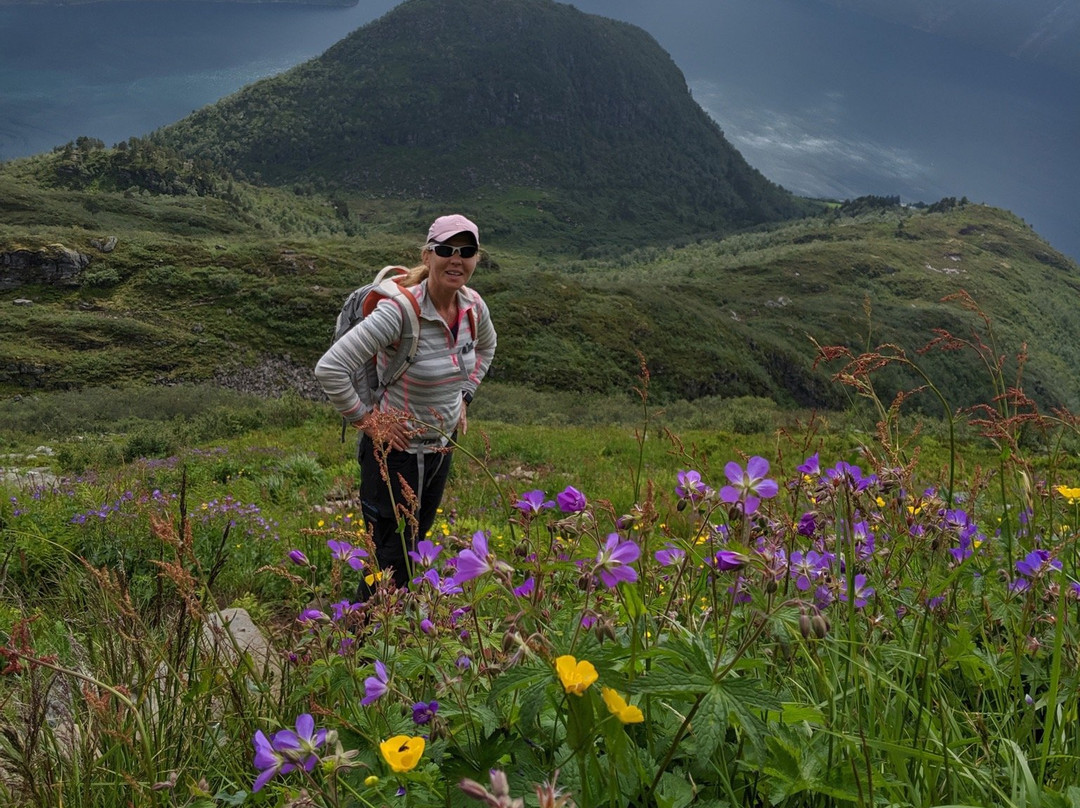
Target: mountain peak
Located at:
point(440, 99)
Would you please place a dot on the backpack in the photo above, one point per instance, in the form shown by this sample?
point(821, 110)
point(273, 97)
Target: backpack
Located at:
point(358, 305)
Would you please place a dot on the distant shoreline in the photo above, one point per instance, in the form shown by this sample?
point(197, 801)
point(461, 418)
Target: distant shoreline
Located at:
point(61, 3)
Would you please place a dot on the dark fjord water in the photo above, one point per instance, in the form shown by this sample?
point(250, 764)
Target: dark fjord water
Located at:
point(823, 101)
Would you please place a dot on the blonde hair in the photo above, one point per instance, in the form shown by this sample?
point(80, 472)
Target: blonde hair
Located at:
point(414, 276)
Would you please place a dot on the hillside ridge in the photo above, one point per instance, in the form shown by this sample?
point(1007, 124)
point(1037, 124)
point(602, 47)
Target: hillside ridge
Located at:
point(451, 100)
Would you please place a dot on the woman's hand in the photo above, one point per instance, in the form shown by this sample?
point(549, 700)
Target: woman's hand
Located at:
point(385, 429)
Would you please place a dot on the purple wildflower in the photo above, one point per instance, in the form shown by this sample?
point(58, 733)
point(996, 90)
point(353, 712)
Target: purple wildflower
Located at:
point(1037, 563)
point(1019, 585)
point(614, 560)
point(690, 487)
point(311, 616)
point(443, 585)
point(343, 609)
point(423, 712)
point(963, 550)
point(375, 687)
point(808, 568)
point(343, 551)
point(268, 760)
point(526, 588)
point(287, 750)
point(862, 591)
point(571, 500)
point(811, 467)
point(864, 540)
point(727, 560)
point(748, 487)
point(475, 561)
point(298, 558)
point(843, 474)
point(670, 555)
point(807, 524)
point(823, 597)
point(532, 502)
point(738, 591)
point(426, 553)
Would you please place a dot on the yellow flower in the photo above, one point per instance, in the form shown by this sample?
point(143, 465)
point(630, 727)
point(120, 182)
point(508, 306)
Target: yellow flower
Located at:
point(372, 577)
point(881, 502)
point(321, 523)
point(617, 706)
point(575, 676)
point(371, 780)
point(402, 752)
point(1071, 494)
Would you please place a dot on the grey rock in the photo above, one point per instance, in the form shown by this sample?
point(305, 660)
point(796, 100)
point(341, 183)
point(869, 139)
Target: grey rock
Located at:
point(54, 264)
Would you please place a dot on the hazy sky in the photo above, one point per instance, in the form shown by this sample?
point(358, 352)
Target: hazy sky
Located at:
point(828, 102)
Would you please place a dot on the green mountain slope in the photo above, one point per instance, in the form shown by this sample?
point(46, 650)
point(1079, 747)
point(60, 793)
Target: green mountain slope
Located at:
point(203, 287)
point(458, 100)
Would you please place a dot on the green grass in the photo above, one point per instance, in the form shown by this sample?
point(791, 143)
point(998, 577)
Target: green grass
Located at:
point(198, 284)
point(187, 500)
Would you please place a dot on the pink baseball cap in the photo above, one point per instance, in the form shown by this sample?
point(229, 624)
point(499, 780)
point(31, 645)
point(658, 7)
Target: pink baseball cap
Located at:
point(446, 226)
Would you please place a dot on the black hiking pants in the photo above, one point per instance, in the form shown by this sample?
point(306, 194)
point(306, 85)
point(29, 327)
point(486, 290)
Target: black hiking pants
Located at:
point(382, 500)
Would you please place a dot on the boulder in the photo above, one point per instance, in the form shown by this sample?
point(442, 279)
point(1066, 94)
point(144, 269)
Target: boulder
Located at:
point(54, 264)
point(230, 631)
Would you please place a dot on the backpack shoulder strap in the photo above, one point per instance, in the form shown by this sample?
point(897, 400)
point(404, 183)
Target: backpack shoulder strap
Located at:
point(386, 286)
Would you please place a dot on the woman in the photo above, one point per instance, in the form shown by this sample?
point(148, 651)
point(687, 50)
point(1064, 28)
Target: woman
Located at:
point(408, 430)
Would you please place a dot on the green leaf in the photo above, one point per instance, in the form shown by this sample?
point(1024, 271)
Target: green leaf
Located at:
point(711, 724)
point(674, 791)
point(635, 607)
point(665, 681)
point(518, 678)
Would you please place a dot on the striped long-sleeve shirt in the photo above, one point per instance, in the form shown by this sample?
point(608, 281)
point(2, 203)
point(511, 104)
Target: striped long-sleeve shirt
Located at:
point(430, 390)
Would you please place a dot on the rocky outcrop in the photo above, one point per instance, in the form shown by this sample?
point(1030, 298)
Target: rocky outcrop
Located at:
point(271, 378)
point(24, 374)
point(55, 265)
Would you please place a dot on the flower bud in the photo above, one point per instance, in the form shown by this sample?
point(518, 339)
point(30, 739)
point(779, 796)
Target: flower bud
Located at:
point(804, 626)
point(820, 626)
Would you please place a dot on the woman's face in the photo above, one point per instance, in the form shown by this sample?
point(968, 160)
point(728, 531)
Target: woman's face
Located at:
point(450, 274)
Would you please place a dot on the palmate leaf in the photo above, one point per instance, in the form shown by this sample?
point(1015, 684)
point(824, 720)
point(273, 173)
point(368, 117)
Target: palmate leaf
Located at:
point(743, 703)
point(683, 666)
point(674, 791)
point(793, 765)
point(664, 681)
point(711, 724)
point(518, 678)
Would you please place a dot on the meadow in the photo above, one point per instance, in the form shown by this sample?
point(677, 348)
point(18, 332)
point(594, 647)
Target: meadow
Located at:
point(715, 603)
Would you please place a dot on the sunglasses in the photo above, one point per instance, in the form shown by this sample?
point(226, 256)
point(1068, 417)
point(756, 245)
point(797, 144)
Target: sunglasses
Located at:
point(445, 250)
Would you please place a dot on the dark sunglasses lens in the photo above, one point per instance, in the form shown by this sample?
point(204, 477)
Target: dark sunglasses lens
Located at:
point(445, 251)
